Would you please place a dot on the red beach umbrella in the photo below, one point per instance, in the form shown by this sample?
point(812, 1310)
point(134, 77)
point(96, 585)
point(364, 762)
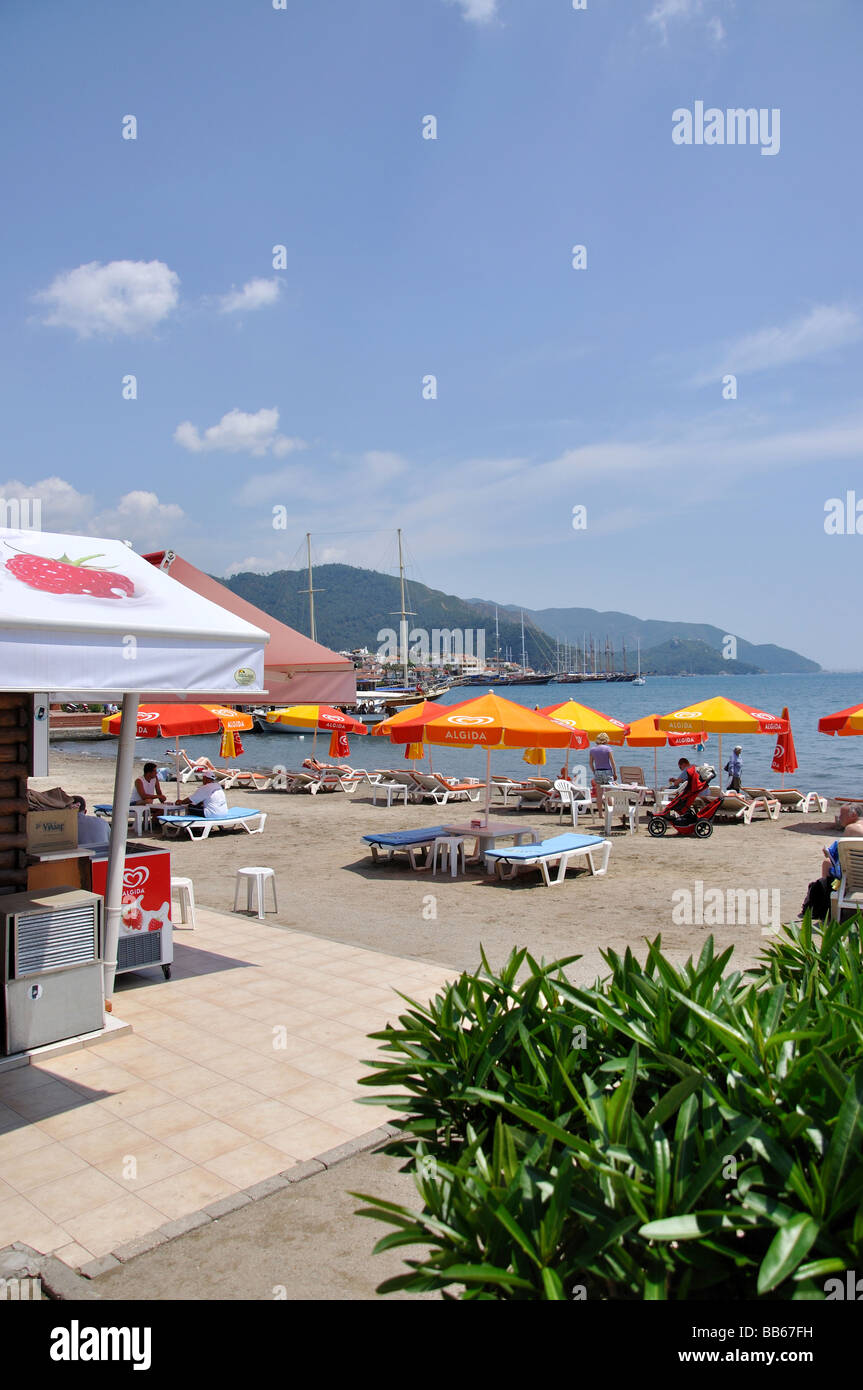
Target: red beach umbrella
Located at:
point(785, 756)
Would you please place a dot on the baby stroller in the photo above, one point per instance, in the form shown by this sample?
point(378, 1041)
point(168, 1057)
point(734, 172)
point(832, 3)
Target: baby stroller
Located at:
point(680, 813)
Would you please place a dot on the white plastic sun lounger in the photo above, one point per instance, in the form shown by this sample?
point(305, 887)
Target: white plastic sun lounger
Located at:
point(560, 849)
point(790, 799)
point(441, 791)
point(238, 816)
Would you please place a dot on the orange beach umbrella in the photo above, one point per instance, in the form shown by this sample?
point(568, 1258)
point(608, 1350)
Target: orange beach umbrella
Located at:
point(492, 722)
point(180, 721)
point(413, 718)
point(845, 723)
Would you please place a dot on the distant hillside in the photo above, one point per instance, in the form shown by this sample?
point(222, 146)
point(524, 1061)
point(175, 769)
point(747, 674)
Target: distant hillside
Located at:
point(569, 625)
point(353, 605)
point(683, 657)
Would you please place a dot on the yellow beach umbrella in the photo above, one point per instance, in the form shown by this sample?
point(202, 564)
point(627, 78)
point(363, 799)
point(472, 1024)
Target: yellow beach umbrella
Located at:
point(721, 716)
point(586, 721)
point(535, 756)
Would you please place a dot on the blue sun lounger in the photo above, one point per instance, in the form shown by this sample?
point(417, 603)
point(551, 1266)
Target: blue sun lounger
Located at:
point(560, 848)
point(237, 816)
point(388, 842)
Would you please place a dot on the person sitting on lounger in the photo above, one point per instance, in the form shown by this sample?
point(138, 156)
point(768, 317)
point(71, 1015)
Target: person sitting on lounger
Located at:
point(208, 799)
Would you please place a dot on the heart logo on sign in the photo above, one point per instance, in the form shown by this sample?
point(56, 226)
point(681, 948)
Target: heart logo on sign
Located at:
point(471, 719)
point(148, 716)
point(134, 878)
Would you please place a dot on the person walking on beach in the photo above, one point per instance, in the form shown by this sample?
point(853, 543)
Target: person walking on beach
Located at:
point(734, 767)
point(602, 763)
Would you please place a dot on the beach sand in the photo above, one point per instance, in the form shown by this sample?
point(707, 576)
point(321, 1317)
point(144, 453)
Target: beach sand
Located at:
point(328, 885)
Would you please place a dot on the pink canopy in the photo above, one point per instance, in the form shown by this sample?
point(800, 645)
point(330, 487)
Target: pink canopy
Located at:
point(296, 669)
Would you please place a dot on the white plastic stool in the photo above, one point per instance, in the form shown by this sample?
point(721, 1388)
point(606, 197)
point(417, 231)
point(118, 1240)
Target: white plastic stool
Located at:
point(451, 850)
point(256, 878)
point(185, 891)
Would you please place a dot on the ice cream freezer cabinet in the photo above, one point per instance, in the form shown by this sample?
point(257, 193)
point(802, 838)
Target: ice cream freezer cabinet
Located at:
point(146, 930)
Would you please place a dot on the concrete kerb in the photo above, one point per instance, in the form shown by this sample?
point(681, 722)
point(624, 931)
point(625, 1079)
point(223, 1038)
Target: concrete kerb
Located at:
point(62, 1282)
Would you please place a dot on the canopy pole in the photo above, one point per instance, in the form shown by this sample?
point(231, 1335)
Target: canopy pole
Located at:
point(487, 781)
point(117, 845)
point(719, 769)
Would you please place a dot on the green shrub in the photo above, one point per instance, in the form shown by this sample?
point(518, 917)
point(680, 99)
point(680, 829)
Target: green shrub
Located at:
point(670, 1133)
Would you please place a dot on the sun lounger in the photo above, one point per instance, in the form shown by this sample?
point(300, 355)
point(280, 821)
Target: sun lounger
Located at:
point(509, 787)
point(412, 842)
point(790, 799)
point(560, 849)
point(193, 771)
point(440, 790)
point(251, 781)
point(239, 817)
point(738, 808)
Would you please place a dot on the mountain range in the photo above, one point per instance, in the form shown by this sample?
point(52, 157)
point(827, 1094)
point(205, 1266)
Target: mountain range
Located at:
point(352, 606)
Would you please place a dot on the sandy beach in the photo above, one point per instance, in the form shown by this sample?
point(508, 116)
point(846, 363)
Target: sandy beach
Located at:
point(328, 885)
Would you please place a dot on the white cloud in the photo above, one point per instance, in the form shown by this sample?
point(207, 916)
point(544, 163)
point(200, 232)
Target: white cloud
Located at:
point(666, 13)
point(477, 11)
point(283, 485)
point(137, 516)
point(120, 297)
point(823, 329)
point(239, 433)
point(381, 467)
point(255, 294)
point(62, 507)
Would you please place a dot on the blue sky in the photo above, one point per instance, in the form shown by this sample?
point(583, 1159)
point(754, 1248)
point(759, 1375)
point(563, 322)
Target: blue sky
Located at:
point(404, 257)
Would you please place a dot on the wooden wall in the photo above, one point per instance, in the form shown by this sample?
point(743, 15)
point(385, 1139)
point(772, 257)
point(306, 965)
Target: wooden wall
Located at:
point(16, 728)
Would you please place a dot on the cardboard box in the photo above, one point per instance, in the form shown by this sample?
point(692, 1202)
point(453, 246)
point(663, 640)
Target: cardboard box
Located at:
point(52, 830)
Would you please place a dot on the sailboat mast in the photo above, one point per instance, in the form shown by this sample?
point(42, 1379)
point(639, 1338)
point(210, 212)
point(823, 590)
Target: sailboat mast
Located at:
point(312, 633)
point(523, 658)
point(403, 625)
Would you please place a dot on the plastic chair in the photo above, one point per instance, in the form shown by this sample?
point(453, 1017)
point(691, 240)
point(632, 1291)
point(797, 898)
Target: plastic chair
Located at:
point(185, 891)
point(256, 879)
point(450, 849)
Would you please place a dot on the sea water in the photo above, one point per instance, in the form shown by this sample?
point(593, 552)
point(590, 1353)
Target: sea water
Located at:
point(832, 766)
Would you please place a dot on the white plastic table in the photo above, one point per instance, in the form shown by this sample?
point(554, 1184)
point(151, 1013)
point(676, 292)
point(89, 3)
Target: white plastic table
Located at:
point(487, 836)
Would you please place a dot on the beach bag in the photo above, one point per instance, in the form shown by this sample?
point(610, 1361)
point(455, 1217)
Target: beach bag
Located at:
point(707, 772)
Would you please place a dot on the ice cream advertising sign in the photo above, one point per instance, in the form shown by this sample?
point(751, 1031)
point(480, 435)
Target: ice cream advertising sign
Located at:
point(146, 891)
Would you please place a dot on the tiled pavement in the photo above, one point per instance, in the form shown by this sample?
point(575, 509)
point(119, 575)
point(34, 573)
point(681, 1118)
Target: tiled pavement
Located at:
point(242, 1064)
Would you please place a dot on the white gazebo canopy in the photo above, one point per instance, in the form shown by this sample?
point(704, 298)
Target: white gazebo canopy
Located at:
point(89, 617)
